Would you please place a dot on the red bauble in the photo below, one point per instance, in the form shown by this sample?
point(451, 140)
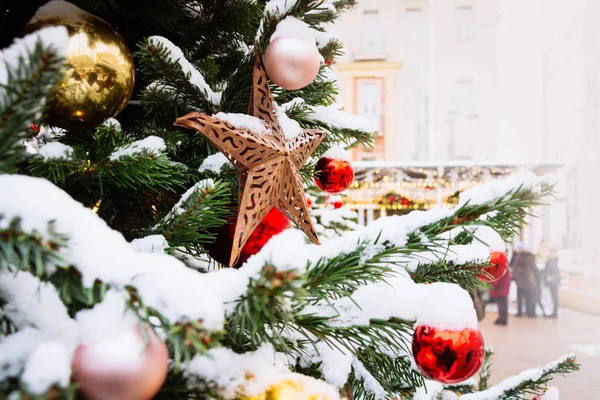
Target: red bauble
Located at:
point(448, 356)
point(337, 204)
point(35, 127)
point(273, 223)
point(138, 381)
point(333, 175)
point(309, 201)
point(406, 202)
point(329, 61)
point(499, 267)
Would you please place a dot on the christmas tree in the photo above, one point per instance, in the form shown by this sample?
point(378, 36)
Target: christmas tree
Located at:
point(144, 249)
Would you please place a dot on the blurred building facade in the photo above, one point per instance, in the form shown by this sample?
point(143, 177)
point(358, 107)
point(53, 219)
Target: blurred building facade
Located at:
point(424, 71)
point(500, 81)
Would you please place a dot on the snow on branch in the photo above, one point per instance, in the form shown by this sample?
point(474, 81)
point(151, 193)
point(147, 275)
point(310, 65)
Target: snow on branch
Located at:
point(279, 7)
point(55, 151)
point(526, 380)
point(45, 330)
point(292, 27)
point(196, 78)
point(335, 118)
point(99, 253)
point(152, 145)
point(214, 163)
point(251, 373)
point(55, 38)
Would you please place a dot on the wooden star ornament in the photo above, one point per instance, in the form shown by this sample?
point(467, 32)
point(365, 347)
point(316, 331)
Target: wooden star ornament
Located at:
point(269, 165)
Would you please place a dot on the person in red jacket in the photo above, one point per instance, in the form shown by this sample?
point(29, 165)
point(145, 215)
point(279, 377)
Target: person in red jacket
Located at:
point(499, 295)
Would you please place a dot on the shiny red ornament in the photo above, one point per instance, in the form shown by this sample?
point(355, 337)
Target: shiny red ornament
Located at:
point(499, 260)
point(337, 204)
point(406, 202)
point(329, 62)
point(333, 175)
point(273, 223)
point(36, 128)
point(126, 382)
point(448, 356)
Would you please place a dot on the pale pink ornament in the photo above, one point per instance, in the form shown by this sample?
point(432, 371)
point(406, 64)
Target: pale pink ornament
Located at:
point(137, 379)
point(292, 63)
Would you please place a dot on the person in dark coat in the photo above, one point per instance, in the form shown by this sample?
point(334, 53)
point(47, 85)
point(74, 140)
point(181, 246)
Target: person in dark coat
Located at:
point(524, 275)
point(499, 295)
point(552, 281)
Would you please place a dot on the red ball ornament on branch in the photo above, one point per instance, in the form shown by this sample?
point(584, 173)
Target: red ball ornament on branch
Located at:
point(334, 172)
point(448, 356)
point(498, 269)
point(273, 223)
point(104, 377)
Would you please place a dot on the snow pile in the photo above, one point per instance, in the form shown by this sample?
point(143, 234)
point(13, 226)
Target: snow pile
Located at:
point(250, 373)
point(244, 121)
point(497, 391)
point(150, 145)
point(214, 163)
point(339, 119)
point(196, 78)
point(55, 151)
point(48, 365)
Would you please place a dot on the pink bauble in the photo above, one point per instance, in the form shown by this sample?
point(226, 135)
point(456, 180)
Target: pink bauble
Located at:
point(292, 63)
point(140, 379)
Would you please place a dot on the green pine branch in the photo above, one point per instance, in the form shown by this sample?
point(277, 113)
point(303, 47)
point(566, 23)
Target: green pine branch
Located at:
point(22, 100)
point(342, 275)
point(486, 369)
point(535, 385)
point(29, 251)
point(203, 210)
point(156, 65)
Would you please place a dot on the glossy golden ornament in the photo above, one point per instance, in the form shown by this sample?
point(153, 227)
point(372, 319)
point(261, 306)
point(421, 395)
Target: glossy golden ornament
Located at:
point(99, 76)
point(289, 390)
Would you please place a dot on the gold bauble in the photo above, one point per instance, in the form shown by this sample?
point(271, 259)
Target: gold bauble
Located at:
point(99, 76)
point(289, 390)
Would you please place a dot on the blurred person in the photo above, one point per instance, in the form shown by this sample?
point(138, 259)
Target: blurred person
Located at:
point(552, 281)
point(539, 288)
point(499, 295)
point(524, 275)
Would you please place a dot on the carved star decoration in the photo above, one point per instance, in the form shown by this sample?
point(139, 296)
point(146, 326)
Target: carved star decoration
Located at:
point(269, 165)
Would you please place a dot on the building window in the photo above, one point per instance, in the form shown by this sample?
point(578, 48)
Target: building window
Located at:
point(464, 19)
point(414, 26)
point(464, 98)
point(370, 99)
point(372, 37)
